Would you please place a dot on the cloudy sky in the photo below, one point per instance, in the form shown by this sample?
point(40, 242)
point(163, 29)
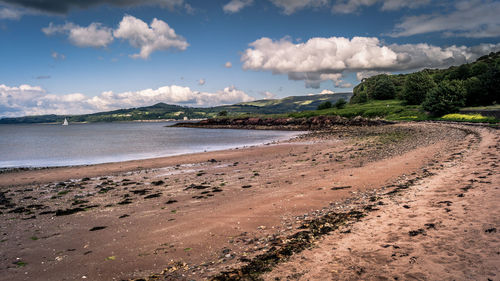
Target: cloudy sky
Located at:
point(73, 56)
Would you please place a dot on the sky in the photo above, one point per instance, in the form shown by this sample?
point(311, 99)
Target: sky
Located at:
point(73, 57)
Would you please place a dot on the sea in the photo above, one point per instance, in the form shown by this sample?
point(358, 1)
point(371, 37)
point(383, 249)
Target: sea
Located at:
point(49, 145)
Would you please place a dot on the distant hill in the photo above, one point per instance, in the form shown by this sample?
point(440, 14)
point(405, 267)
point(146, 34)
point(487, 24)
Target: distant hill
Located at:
point(168, 111)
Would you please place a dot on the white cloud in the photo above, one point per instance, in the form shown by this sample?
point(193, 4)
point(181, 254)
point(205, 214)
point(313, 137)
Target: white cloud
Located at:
point(157, 36)
point(268, 95)
point(327, 92)
point(57, 56)
point(291, 6)
point(351, 6)
point(33, 100)
point(7, 13)
point(148, 38)
point(321, 59)
point(94, 35)
point(235, 6)
point(201, 82)
point(473, 19)
point(228, 64)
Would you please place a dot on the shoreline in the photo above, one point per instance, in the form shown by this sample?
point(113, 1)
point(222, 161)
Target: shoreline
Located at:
point(214, 214)
point(292, 134)
point(103, 169)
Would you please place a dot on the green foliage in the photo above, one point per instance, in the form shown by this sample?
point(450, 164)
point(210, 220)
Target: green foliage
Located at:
point(384, 88)
point(474, 91)
point(340, 104)
point(476, 118)
point(446, 98)
point(359, 97)
point(387, 109)
point(222, 113)
point(379, 87)
point(416, 87)
point(325, 105)
point(481, 80)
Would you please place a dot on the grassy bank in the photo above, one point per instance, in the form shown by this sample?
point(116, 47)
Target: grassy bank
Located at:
point(393, 110)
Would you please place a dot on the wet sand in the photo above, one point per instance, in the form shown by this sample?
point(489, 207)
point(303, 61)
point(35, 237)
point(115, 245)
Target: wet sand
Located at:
point(197, 216)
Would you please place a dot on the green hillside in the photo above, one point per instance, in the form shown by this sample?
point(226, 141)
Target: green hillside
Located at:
point(167, 111)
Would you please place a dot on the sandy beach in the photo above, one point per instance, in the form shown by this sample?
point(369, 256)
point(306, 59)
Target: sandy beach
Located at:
point(413, 201)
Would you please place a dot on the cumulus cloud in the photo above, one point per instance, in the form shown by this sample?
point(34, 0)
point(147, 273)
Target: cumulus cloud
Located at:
point(291, 6)
point(320, 59)
point(235, 6)
point(474, 19)
point(228, 64)
point(351, 6)
point(148, 38)
point(157, 36)
point(63, 6)
point(95, 35)
point(201, 82)
point(33, 100)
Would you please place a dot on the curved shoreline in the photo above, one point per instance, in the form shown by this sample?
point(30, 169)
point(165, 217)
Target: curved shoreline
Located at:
point(215, 212)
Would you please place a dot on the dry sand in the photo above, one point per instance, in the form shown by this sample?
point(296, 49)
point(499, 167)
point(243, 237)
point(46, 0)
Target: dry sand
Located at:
point(195, 216)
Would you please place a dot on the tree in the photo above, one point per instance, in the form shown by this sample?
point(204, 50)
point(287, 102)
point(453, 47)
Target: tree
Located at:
point(446, 98)
point(416, 87)
point(491, 82)
point(475, 92)
point(340, 103)
point(222, 113)
point(325, 105)
point(384, 88)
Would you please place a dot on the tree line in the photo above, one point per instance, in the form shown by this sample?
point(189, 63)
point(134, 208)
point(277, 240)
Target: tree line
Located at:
point(438, 91)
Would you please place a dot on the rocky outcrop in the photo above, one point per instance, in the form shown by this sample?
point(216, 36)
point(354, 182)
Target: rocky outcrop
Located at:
point(311, 123)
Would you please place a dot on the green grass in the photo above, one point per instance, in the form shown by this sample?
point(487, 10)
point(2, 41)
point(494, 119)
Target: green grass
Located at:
point(386, 109)
point(489, 107)
point(395, 110)
point(476, 118)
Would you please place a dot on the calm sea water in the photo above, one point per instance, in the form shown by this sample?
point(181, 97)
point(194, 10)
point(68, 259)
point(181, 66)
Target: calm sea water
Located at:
point(41, 145)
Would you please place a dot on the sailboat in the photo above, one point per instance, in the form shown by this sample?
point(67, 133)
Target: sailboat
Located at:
point(65, 123)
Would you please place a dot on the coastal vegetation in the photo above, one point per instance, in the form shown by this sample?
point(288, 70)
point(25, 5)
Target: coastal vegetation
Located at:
point(437, 91)
point(397, 110)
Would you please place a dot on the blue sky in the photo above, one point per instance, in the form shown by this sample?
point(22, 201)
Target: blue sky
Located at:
point(60, 57)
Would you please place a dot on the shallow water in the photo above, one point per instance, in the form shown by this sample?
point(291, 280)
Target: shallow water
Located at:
point(41, 145)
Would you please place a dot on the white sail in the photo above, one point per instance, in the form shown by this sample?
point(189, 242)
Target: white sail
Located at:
point(65, 123)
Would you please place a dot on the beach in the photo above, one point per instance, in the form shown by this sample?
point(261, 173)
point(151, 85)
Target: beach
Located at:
point(402, 201)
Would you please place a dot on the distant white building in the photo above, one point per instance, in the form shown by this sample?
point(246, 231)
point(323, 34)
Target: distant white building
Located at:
point(185, 118)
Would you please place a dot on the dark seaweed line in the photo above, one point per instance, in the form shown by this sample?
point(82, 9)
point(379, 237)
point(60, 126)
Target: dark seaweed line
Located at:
point(296, 243)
